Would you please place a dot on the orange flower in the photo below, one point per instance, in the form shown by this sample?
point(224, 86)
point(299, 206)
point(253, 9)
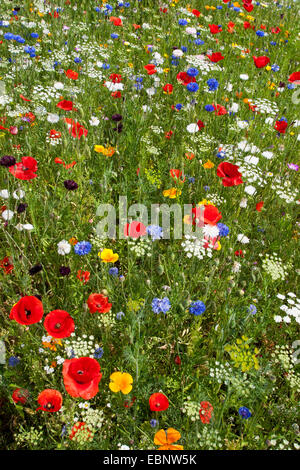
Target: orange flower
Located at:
point(83, 276)
point(208, 164)
point(190, 155)
point(165, 439)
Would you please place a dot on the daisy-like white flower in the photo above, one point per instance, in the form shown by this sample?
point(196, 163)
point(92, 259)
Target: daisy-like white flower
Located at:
point(94, 121)
point(242, 239)
point(53, 118)
point(63, 247)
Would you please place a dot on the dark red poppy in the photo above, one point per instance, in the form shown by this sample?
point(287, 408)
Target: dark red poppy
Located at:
point(215, 57)
point(158, 402)
point(281, 126)
point(6, 265)
point(50, 400)
point(229, 174)
point(248, 7)
point(177, 360)
point(294, 77)
point(81, 377)
point(27, 311)
point(24, 170)
point(66, 105)
point(135, 229)
point(98, 303)
point(261, 61)
point(206, 214)
point(59, 324)
point(214, 28)
point(200, 124)
point(20, 395)
point(71, 74)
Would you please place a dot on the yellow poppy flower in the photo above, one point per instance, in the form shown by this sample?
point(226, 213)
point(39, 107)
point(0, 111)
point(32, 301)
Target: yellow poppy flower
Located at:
point(172, 193)
point(165, 439)
point(108, 256)
point(208, 165)
point(121, 382)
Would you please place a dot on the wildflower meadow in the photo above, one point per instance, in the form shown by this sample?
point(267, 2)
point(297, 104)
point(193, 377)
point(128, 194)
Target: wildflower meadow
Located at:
point(149, 225)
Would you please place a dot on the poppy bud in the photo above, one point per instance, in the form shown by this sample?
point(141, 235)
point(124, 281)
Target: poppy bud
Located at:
point(177, 360)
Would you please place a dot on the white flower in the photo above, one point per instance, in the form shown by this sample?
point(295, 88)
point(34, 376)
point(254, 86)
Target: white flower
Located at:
point(211, 231)
point(150, 91)
point(192, 128)
point(242, 238)
point(64, 247)
point(18, 194)
point(269, 120)
point(7, 214)
point(244, 76)
point(241, 124)
point(234, 108)
point(4, 193)
point(250, 190)
point(280, 296)
point(94, 121)
point(177, 53)
point(287, 319)
point(58, 85)
point(267, 155)
point(251, 160)
point(244, 202)
point(277, 319)
point(192, 31)
point(53, 118)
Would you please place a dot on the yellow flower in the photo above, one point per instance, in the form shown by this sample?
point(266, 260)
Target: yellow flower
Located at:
point(209, 164)
point(165, 439)
point(205, 202)
point(172, 193)
point(108, 256)
point(121, 382)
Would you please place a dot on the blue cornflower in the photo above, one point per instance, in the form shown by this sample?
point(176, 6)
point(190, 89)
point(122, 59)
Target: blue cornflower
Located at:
point(291, 86)
point(175, 62)
point(98, 353)
point(155, 231)
point(153, 423)
point(198, 42)
point(275, 68)
point(13, 361)
point(260, 33)
point(184, 48)
point(206, 188)
point(113, 271)
point(212, 84)
point(119, 315)
point(77, 60)
point(182, 22)
point(197, 308)
point(244, 412)
point(223, 230)
point(192, 87)
point(221, 154)
point(192, 72)
point(114, 36)
point(178, 106)
point(161, 305)
point(209, 108)
point(19, 39)
point(252, 309)
point(105, 66)
point(34, 35)
point(8, 36)
point(82, 248)
point(273, 43)
point(191, 179)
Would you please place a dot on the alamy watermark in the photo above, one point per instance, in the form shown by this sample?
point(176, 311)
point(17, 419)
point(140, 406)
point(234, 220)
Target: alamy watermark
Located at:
point(159, 215)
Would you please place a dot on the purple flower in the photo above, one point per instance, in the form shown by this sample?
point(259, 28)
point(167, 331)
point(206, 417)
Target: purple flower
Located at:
point(293, 166)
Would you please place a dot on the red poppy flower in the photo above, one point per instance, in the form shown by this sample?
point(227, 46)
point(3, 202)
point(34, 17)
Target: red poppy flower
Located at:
point(294, 77)
point(214, 28)
point(27, 311)
point(215, 57)
point(168, 88)
point(59, 324)
point(81, 377)
point(261, 61)
point(184, 78)
point(83, 276)
point(20, 395)
point(206, 214)
point(116, 21)
point(168, 135)
point(50, 400)
point(196, 13)
point(71, 74)
point(205, 411)
point(248, 7)
point(76, 129)
point(24, 170)
point(219, 110)
point(150, 69)
point(247, 25)
point(6, 265)
point(176, 175)
point(239, 253)
point(115, 77)
point(275, 30)
point(66, 105)
point(259, 206)
point(116, 94)
point(281, 126)
point(53, 134)
point(158, 402)
point(135, 229)
point(230, 27)
point(200, 124)
point(80, 426)
point(229, 174)
point(98, 303)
